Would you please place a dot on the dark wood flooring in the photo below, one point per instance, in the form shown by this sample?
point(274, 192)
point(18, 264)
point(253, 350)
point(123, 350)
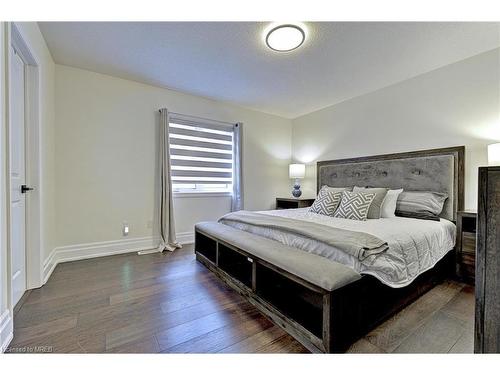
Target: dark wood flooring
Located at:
point(170, 303)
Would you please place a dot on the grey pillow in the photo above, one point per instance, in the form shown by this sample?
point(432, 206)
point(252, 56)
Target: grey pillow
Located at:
point(380, 193)
point(418, 215)
point(326, 202)
point(423, 204)
point(336, 189)
point(354, 206)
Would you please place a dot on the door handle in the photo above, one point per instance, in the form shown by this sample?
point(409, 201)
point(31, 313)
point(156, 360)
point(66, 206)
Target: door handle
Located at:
point(25, 188)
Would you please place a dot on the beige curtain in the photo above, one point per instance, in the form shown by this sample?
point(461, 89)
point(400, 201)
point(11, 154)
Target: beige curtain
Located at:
point(168, 240)
point(237, 197)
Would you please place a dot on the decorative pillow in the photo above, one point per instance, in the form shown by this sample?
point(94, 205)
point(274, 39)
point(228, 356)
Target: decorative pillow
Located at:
point(425, 205)
point(380, 193)
point(354, 206)
point(388, 207)
point(418, 215)
point(326, 202)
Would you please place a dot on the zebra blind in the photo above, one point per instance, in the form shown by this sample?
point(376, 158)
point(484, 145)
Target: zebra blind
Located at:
point(201, 155)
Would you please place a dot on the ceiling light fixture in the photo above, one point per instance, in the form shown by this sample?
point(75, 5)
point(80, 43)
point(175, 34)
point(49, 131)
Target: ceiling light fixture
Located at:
point(284, 38)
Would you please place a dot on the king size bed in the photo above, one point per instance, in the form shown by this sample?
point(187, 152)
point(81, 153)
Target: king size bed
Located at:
point(328, 280)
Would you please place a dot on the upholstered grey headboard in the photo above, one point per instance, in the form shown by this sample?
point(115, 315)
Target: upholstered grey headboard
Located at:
point(440, 170)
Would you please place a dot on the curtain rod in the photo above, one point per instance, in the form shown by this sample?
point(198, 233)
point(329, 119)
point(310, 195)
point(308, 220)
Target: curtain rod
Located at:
point(200, 118)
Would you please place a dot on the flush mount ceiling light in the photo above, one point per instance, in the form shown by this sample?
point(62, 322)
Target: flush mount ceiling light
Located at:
point(285, 38)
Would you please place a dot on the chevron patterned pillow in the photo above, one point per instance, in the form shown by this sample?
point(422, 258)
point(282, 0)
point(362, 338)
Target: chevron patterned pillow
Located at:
point(326, 202)
point(354, 206)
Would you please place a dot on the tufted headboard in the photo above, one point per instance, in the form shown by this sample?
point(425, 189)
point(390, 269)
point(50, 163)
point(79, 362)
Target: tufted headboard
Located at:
point(440, 170)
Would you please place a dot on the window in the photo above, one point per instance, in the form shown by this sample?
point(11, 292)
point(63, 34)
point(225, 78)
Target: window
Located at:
point(201, 155)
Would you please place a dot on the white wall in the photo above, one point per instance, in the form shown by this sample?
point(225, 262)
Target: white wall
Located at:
point(105, 156)
point(458, 104)
point(45, 192)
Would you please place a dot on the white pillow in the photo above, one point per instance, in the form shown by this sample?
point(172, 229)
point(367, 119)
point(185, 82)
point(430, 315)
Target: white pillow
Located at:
point(388, 207)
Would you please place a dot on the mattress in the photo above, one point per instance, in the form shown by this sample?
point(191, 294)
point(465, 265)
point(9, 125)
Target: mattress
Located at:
point(415, 245)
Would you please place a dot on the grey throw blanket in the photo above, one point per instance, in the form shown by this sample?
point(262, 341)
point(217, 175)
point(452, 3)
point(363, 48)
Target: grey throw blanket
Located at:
point(358, 244)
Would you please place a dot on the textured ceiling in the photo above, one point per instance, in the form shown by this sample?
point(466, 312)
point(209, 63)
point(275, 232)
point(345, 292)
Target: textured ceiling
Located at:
point(229, 61)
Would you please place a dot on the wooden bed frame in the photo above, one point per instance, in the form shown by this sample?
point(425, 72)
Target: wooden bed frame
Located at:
point(322, 320)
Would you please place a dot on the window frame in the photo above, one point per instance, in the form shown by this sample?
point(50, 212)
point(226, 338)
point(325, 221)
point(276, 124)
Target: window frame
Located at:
point(200, 122)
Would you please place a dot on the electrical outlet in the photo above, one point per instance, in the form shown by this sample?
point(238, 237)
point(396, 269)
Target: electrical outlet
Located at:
point(125, 229)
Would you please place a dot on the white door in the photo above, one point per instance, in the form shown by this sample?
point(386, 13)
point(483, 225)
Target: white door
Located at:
point(17, 178)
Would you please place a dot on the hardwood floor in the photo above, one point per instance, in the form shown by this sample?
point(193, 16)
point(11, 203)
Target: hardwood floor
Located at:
point(170, 303)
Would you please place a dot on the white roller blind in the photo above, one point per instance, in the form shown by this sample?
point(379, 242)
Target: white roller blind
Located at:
point(201, 155)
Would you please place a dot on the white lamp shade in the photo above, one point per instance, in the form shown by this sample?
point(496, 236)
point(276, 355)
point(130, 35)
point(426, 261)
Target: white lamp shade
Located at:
point(494, 154)
point(297, 170)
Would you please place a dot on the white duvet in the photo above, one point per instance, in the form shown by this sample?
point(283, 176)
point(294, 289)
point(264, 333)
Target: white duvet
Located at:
point(414, 245)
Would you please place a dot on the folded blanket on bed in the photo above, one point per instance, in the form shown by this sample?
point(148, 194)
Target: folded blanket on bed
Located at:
point(358, 244)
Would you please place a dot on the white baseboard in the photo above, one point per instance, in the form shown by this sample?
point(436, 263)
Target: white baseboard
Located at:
point(49, 265)
point(100, 249)
point(6, 330)
point(185, 238)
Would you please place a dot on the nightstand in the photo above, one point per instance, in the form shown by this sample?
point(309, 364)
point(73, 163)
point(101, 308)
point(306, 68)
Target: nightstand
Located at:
point(284, 203)
point(466, 245)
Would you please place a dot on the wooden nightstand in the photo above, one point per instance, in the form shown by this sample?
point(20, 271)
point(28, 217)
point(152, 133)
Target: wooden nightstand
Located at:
point(283, 203)
point(466, 245)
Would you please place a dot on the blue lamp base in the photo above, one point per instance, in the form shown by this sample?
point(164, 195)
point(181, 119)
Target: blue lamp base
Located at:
point(296, 192)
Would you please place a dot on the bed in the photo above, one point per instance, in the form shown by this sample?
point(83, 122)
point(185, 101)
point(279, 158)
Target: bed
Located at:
point(327, 298)
point(414, 245)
